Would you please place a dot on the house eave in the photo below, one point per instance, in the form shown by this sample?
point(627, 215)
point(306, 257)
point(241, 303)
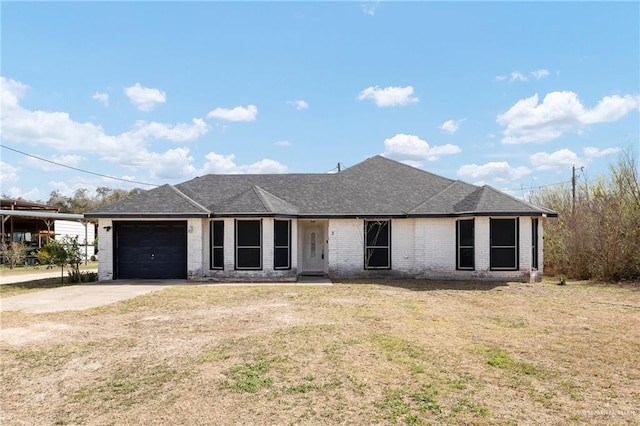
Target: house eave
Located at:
point(313, 216)
point(145, 215)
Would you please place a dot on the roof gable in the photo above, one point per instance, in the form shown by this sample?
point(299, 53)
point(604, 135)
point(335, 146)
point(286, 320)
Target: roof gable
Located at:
point(255, 200)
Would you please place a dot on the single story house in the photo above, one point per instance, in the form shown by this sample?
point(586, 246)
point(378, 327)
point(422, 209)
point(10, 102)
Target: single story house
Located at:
point(378, 218)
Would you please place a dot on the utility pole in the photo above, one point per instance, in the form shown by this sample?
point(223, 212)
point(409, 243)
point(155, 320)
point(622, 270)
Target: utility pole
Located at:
point(573, 188)
point(339, 167)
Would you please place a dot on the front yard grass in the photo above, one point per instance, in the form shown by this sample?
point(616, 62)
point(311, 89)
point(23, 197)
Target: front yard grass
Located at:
point(15, 289)
point(395, 352)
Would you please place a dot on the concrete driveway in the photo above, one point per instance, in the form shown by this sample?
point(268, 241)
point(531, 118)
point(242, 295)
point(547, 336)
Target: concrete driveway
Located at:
point(82, 296)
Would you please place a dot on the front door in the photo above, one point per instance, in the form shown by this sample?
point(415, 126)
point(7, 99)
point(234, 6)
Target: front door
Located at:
point(313, 248)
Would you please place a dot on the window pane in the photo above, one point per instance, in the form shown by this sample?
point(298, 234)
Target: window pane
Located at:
point(466, 258)
point(248, 258)
point(281, 230)
point(378, 258)
point(465, 230)
point(218, 258)
point(503, 232)
point(248, 232)
point(218, 233)
point(378, 233)
point(503, 258)
point(281, 258)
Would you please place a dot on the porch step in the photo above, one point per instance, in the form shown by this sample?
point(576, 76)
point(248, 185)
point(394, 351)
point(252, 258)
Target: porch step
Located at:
point(313, 274)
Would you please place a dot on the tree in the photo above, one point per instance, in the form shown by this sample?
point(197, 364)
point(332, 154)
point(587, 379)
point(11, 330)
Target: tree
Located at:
point(54, 253)
point(82, 201)
point(13, 253)
point(62, 253)
point(59, 201)
point(600, 238)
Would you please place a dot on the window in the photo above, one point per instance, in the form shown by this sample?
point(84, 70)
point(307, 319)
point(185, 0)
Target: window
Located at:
point(377, 253)
point(534, 243)
point(248, 244)
point(217, 244)
point(504, 244)
point(465, 237)
point(281, 244)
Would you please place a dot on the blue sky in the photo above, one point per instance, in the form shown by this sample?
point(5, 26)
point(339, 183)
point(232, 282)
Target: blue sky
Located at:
point(506, 94)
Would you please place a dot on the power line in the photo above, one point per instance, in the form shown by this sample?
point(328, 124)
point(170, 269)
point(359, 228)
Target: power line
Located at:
point(77, 169)
point(530, 188)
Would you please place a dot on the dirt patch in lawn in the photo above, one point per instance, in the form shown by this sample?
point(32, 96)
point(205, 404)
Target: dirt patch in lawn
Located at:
point(414, 352)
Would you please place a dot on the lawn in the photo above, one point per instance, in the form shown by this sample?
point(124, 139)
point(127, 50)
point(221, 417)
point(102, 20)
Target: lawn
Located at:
point(37, 269)
point(36, 283)
point(414, 352)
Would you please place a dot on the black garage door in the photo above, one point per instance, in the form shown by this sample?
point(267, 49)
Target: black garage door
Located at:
point(150, 250)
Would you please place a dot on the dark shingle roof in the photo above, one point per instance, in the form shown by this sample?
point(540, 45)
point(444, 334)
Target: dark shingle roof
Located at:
point(256, 200)
point(375, 187)
point(164, 200)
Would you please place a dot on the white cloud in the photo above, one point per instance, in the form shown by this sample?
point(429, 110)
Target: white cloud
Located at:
point(559, 160)
point(539, 74)
point(413, 150)
point(283, 143)
point(591, 152)
point(611, 108)
point(389, 96)
point(8, 175)
point(563, 159)
point(238, 113)
point(299, 104)
point(58, 131)
point(172, 164)
point(145, 98)
point(17, 192)
point(498, 171)
point(11, 91)
point(225, 164)
point(530, 121)
point(102, 97)
point(181, 132)
point(517, 76)
point(370, 8)
point(451, 126)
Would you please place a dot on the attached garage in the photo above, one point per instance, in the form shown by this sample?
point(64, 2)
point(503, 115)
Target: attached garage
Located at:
point(150, 250)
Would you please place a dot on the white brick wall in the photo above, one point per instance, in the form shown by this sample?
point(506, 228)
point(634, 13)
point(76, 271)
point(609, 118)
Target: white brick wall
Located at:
point(525, 244)
point(346, 247)
point(422, 248)
point(229, 272)
point(105, 249)
point(195, 237)
point(403, 246)
point(439, 239)
point(419, 247)
point(482, 244)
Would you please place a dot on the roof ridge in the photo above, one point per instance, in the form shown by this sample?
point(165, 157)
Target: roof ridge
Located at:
point(407, 166)
point(189, 199)
point(433, 196)
point(259, 193)
point(262, 195)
